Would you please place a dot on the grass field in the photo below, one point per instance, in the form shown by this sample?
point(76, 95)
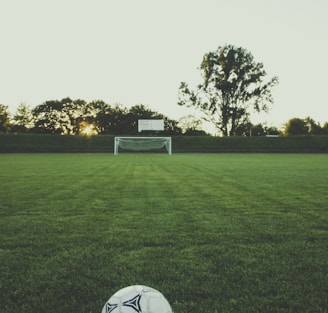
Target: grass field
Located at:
point(213, 232)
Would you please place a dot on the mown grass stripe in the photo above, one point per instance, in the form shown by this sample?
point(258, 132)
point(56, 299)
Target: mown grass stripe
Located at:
point(213, 232)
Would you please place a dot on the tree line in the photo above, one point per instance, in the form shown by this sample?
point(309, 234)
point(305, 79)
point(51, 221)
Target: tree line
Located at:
point(233, 85)
point(79, 117)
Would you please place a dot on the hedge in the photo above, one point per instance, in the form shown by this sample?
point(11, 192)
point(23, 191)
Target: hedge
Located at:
point(18, 143)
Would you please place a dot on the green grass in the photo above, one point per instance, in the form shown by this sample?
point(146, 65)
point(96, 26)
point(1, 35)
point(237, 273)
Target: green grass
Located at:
point(213, 232)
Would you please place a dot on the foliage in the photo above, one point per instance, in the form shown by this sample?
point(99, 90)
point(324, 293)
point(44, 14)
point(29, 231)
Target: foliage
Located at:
point(23, 119)
point(62, 117)
point(78, 117)
point(258, 130)
point(191, 126)
point(298, 126)
point(4, 119)
point(244, 129)
point(313, 127)
point(272, 130)
point(325, 128)
point(232, 85)
point(214, 233)
point(73, 116)
point(248, 129)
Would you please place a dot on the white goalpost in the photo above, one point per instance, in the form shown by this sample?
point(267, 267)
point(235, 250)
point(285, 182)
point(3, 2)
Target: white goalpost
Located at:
point(152, 143)
point(142, 143)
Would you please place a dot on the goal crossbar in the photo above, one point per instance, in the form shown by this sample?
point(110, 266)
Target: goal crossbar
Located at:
point(142, 143)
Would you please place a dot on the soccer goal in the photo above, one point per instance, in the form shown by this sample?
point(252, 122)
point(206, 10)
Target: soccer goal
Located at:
point(142, 144)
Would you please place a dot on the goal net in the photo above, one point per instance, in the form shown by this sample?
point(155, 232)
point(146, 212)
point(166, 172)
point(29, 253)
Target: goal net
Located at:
point(143, 144)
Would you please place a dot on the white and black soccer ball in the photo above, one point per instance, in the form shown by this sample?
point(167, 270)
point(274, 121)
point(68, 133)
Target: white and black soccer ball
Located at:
point(137, 299)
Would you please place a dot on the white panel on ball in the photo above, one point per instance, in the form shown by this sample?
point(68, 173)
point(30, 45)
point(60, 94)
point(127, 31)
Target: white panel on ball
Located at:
point(137, 299)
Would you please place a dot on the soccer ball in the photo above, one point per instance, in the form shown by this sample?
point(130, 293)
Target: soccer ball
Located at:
point(137, 299)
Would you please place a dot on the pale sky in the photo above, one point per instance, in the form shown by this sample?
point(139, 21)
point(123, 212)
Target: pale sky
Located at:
point(138, 51)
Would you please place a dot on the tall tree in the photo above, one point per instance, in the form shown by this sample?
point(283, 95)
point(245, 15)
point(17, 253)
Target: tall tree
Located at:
point(23, 119)
point(103, 116)
point(77, 115)
point(233, 84)
point(49, 118)
point(117, 120)
point(66, 116)
point(191, 125)
point(4, 119)
point(296, 126)
point(325, 128)
point(314, 128)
